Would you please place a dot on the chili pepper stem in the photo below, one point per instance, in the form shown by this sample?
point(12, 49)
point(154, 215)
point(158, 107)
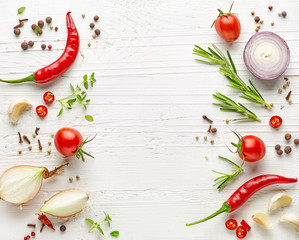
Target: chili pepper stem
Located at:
point(224, 208)
point(30, 78)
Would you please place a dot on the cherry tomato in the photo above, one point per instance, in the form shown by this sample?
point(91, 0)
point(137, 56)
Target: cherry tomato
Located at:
point(241, 232)
point(245, 225)
point(231, 224)
point(275, 121)
point(253, 148)
point(67, 141)
point(228, 26)
point(41, 111)
point(49, 97)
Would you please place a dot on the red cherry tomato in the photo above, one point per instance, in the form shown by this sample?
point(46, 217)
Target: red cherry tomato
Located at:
point(245, 225)
point(228, 25)
point(41, 111)
point(275, 121)
point(231, 224)
point(241, 232)
point(253, 148)
point(49, 97)
point(67, 141)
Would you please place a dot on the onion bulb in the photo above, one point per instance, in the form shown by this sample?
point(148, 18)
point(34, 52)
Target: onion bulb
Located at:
point(22, 183)
point(65, 203)
point(266, 55)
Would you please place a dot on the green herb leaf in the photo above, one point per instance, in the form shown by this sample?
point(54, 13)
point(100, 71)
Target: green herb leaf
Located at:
point(86, 84)
point(79, 98)
point(100, 230)
point(85, 77)
point(89, 118)
point(71, 101)
point(85, 107)
point(88, 100)
point(60, 112)
point(89, 220)
point(72, 88)
point(21, 10)
point(114, 233)
point(36, 30)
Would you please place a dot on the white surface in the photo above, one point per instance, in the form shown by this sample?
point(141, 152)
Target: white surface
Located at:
point(150, 173)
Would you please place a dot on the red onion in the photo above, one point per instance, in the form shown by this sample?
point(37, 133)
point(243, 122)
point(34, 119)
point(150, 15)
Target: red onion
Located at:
point(266, 55)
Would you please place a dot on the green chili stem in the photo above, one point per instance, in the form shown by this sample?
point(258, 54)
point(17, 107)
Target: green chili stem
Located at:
point(30, 78)
point(225, 208)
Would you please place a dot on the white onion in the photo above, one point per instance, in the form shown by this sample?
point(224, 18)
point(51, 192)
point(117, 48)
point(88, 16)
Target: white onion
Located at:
point(65, 203)
point(266, 55)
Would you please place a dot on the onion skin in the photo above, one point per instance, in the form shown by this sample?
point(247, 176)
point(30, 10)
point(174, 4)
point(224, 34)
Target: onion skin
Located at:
point(65, 203)
point(262, 64)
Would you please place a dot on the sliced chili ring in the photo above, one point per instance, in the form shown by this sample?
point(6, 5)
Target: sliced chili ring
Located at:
point(231, 224)
point(275, 121)
point(49, 97)
point(241, 232)
point(41, 111)
point(245, 225)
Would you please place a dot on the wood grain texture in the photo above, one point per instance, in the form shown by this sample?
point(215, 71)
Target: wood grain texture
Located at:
point(149, 173)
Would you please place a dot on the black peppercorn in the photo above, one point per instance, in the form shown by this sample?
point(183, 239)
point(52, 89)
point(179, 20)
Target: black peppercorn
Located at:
point(62, 228)
point(284, 13)
point(24, 45)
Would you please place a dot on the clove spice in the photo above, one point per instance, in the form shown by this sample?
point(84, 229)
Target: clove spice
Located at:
point(20, 138)
point(206, 118)
point(40, 145)
point(288, 96)
point(31, 225)
point(36, 131)
point(26, 139)
point(210, 127)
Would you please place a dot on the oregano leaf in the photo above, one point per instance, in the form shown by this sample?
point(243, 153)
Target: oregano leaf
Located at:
point(114, 233)
point(21, 10)
point(60, 112)
point(89, 118)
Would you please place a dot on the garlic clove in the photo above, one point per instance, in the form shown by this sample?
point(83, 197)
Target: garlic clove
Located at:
point(16, 109)
point(21, 184)
point(263, 220)
point(291, 219)
point(279, 200)
point(65, 203)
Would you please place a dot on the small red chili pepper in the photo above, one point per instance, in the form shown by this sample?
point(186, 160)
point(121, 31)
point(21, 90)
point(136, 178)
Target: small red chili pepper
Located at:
point(245, 225)
point(62, 64)
point(241, 232)
point(45, 220)
point(243, 193)
point(231, 224)
point(42, 111)
point(49, 97)
point(275, 121)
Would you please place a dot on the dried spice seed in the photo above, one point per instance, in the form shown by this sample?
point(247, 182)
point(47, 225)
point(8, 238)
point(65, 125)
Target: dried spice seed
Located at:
point(62, 228)
point(97, 32)
point(36, 130)
point(40, 147)
point(290, 101)
point(40, 31)
point(26, 139)
point(89, 44)
point(30, 43)
point(206, 118)
point(279, 152)
point(43, 46)
point(285, 78)
point(287, 136)
point(284, 86)
point(17, 31)
point(77, 178)
point(96, 18)
point(83, 15)
point(49, 152)
point(252, 13)
point(33, 234)
point(31, 225)
point(256, 19)
point(214, 130)
point(196, 138)
point(271, 105)
point(20, 138)
point(272, 23)
point(288, 83)
point(49, 143)
point(210, 127)
point(279, 14)
point(40, 23)
point(48, 20)
point(284, 14)
point(51, 27)
point(70, 179)
point(277, 147)
point(34, 135)
point(20, 152)
point(94, 36)
point(50, 47)
point(257, 29)
point(206, 157)
point(270, 8)
point(288, 96)
point(29, 147)
point(296, 141)
point(258, 26)
point(279, 90)
point(212, 141)
point(262, 21)
point(226, 121)
point(91, 25)
point(52, 135)
point(33, 26)
point(56, 29)
point(24, 45)
point(287, 149)
point(205, 138)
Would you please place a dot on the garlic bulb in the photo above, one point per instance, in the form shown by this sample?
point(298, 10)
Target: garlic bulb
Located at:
point(65, 203)
point(279, 200)
point(291, 219)
point(16, 109)
point(22, 183)
point(263, 220)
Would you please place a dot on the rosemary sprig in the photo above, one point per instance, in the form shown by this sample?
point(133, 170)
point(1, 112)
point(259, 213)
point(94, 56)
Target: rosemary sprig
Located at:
point(223, 180)
point(230, 105)
point(79, 95)
point(216, 57)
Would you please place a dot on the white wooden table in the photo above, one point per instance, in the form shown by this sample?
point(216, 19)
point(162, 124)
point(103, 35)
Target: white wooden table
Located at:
point(149, 174)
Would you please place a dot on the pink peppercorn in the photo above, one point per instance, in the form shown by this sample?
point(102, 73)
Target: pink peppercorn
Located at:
point(49, 47)
point(33, 234)
point(270, 8)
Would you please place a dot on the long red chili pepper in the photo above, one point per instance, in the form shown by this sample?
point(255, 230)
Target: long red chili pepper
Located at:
point(45, 220)
point(62, 64)
point(243, 193)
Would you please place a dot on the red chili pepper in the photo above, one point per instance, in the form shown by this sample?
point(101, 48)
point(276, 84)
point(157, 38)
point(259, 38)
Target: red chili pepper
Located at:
point(243, 193)
point(62, 64)
point(45, 220)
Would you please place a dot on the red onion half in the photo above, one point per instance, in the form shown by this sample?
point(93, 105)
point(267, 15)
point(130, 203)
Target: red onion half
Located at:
point(266, 55)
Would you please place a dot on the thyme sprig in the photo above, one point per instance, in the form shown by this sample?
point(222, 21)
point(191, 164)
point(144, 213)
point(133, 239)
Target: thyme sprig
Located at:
point(230, 105)
point(79, 95)
point(223, 180)
point(216, 57)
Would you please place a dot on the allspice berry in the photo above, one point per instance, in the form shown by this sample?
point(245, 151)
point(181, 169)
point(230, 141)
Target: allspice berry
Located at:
point(30, 43)
point(214, 130)
point(40, 23)
point(40, 31)
point(48, 20)
point(296, 141)
point(277, 147)
point(43, 46)
point(33, 26)
point(288, 136)
point(256, 19)
point(17, 31)
point(97, 32)
point(91, 25)
point(96, 18)
point(279, 152)
point(287, 149)
point(24, 45)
